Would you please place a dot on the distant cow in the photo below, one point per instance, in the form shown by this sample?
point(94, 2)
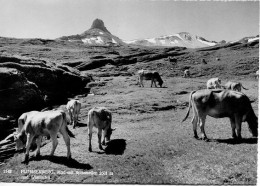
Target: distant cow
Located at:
point(203, 61)
point(236, 86)
point(41, 124)
point(219, 104)
point(257, 74)
point(101, 118)
point(214, 83)
point(73, 107)
point(172, 59)
point(149, 75)
point(186, 73)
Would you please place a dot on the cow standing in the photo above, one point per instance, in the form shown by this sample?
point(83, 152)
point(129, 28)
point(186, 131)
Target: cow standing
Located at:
point(149, 75)
point(42, 124)
point(219, 104)
point(186, 73)
point(234, 86)
point(214, 83)
point(101, 118)
point(73, 107)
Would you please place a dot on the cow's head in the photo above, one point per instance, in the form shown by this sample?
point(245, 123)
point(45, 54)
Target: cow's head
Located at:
point(160, 82)
point(109, 133)
point(20, 141)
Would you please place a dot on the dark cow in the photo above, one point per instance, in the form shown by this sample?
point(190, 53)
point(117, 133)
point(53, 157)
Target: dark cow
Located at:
point(219, 104)
point(149, 75)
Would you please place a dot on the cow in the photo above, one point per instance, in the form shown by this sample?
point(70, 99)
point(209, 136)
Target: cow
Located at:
point(219, 104)
point(214, 83)
point(41, 124)
point(73, 107)
point(101, 118)
point(186, 73)
point(257, 74)
point(236, 86)
point(172, 59)
point(149, 75)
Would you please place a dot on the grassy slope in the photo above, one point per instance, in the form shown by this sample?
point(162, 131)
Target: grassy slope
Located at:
point(150, 144)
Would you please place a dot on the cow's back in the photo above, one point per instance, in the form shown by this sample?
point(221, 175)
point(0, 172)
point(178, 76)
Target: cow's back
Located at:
point(43, 123)
point(222, 102)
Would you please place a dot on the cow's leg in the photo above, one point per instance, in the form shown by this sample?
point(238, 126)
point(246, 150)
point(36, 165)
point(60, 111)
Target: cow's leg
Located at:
point(28, 145)
point(38, 142)
point(66, 139)
point(90, 137)
point(202, 127)
point(99, 139)
point(54, 142)
point(194, 122)
point(71, 117)
point(104, 136)
point(233, 127)
point(74, 118)
point(238, 121)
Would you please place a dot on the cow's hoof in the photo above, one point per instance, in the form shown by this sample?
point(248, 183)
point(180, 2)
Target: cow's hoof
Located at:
point(90, 149)
point(69, 157)
point(37, 155)
point(101, 148)
point(26, 160)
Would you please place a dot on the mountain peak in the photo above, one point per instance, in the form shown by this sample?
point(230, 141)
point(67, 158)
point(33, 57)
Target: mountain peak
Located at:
point(99, 24)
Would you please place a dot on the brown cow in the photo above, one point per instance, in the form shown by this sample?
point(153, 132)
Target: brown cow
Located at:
point(219, 104)
point(149, 75)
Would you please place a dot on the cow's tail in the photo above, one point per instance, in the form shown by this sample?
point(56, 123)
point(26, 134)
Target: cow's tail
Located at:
point(188, 112)
point(244, 87)
point(65, 124)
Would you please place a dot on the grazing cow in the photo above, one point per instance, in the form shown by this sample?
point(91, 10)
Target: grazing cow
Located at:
point(214, 83)
point(203, 61)
point(101, 118)
point(234, 86)
point(172, 59)
point(73, 107)
point(186, 73)
point(41, 124)
point(149, 75)
point(219, 104)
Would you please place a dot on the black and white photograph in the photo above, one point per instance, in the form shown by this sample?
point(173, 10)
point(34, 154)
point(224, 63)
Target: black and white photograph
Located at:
point(146, 92)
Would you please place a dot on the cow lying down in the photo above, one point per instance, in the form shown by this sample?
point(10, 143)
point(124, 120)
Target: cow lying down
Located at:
point(38, 124)
point(219, 104)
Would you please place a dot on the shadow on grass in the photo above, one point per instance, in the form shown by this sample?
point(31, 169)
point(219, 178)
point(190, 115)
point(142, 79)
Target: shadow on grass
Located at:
point(234, 142)
point(116, 147)
point(79, 124)
point(72, 163)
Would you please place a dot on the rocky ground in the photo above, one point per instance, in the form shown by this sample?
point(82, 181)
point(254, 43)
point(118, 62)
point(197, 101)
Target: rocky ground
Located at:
point(150, 144)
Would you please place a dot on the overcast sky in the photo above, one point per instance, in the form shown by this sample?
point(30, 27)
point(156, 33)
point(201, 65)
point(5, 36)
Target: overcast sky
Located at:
point(129, 19)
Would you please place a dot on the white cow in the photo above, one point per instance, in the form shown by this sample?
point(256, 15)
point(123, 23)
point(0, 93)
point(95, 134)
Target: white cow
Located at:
point(214, 83)
point(73, 107)
point(101, 118)
point(42, 124)
point(186, 73)
point(219, 104)
point(236, 86)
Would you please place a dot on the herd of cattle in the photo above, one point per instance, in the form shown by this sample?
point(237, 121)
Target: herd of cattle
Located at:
point(216, 101)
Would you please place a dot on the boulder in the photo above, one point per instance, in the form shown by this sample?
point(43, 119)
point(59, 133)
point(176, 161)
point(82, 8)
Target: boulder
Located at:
point(56, 82)
point(17, 94)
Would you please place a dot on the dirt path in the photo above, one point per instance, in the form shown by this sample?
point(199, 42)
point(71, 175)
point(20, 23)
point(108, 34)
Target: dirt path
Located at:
point(150, 144)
